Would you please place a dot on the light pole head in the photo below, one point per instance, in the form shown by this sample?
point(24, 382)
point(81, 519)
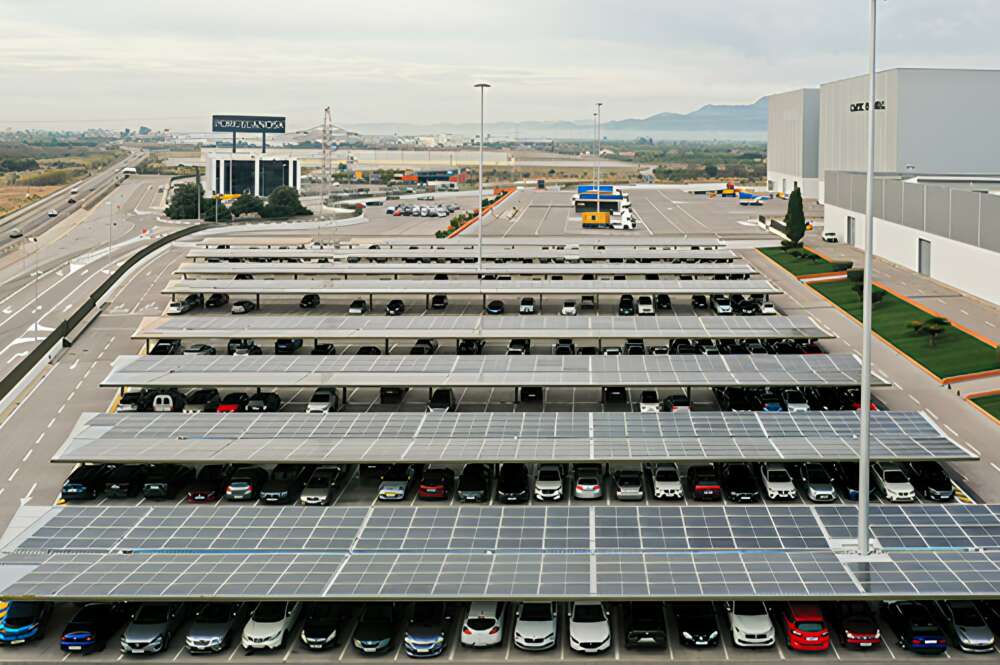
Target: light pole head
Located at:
point(482, 85)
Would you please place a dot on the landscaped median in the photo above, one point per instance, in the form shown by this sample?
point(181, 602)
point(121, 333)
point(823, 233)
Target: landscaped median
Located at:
point(803, 262)
point(945, 350)
point(988, 403)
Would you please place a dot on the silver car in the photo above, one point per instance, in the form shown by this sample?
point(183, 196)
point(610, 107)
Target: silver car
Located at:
point(589, 479)
point(214, 626)
point(628, 485)
point(152, 627)
point(318, 490)
point(965, 623)
point(816, 482)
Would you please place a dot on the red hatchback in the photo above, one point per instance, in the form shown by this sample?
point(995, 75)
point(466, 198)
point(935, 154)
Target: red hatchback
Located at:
point(805, 629)
point(436, 484)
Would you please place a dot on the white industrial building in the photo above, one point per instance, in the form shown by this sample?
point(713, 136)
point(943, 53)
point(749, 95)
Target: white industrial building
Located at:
point(936, 206)
point(793, 142)
point(253, 172)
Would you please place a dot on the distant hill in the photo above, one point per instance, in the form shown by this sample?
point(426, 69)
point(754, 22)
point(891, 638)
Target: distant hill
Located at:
point(712, 119)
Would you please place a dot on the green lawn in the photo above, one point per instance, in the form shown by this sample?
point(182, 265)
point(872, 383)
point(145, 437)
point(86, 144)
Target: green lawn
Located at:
point(990, 404)
point(954, 352)
point(810, 265)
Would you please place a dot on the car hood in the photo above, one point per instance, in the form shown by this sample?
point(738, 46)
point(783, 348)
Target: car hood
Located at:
point(548, 484)
point(974, 634)
point(597, 631)
point(823, 488)
point(392, 485)
point(144, 632)
point(262, 628)
point(425, 631)
point(373, 630)
point(206, 631)
point(753, 623)
point(535, 628)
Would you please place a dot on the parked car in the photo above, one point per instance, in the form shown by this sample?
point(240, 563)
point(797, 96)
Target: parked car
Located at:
point(358, 307)
point(424, 347)
point(210, 483)
point(696, 624)
point(484, 624)
point(794, 400)
point(166, 347)
point(568, 308)
point(804, 627)
point(471, 347)
point(200, 350)
point(436, 483)
point(494, 307)
point(285, 483)
point(644, 625)
point(703, 483)
point(376, 629)
point(164, 481)
point(323, 349)
point(855, 624)
point(750, 624)
point(536, 626)
point(269, 625)
point(739, 483)
point(442, 401)
point(519, 347)
point(628, 484)
point(892, 482)
point(473, 483)
point(589, 627)
point(286, 347)
point(845, 478)
point(829, 236)
point(777, 481)
point(527, 306)
point(260, 402)
point(931, 482)
point(626, 305)
point(588, 481)
point(816, 482)
point(649, 402)
point(324, 624)
point(319, 488)
point(86, 482)
point(427, 632)
point(549, 482)
point(397, 481)
point(309, 301)
point(126, 480)
point(233, 402)
point(512, 483)
point(217, 300)
point(214, 626)
point(25, 621)
point(966, 626)
point(323, 400)
point(243, 307)
point(92, 626)
point(152, 628)
point(245, 483)
point(915, 626)
point(667, 481)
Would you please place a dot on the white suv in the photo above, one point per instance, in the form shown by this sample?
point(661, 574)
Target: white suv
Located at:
point(589, 627)
point(549, 482)
point(750, 623)
point(536, 626)
point(722, 305)
point(667, 481)
point(777, 481)
point(644, 306)
point(269, 625)
point(323, 400)
point(892, 482)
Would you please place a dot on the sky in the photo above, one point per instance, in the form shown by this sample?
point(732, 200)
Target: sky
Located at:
point(112, 63)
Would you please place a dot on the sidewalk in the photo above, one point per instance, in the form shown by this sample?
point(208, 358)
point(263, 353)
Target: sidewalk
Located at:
point(961, 308)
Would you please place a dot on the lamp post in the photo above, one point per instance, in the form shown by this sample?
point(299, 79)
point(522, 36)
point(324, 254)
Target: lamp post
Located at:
point(482, 137)
point(111, 216)
point(599, 105)
point(864, 448)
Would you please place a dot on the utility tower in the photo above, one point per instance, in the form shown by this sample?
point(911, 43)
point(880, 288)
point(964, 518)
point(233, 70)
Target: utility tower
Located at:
point(327, 156)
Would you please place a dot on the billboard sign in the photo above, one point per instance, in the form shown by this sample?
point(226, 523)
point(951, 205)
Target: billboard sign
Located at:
point(254, 124)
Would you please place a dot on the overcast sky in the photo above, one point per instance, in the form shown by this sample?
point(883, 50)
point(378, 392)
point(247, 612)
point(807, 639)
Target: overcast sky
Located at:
point(172, 64)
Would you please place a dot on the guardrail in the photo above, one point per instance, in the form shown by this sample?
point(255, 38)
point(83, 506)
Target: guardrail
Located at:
point(61, 331)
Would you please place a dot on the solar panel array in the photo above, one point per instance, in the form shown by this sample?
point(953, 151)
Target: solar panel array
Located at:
point(497, 437)
point(513, 287)
point(462, 326)
point(463, 254)
point(635, 270)
point(492, 370)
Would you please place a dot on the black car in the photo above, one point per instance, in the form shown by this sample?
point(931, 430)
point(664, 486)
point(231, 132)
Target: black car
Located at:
point(471, 347)
point(395, 307)
point(513, 484)
point(663, 301)
point(703, 483)
point(126, 480)
point(427, 632)
point(285, 347)
point(854, 624)
point(564, 347)
point(86, 482)
point(323, 349)
point(645, 625)
point(92, 626)
point(439, 302)
point(699, 301)
point(424, 347)
point(369, 351)
point(285, 483)
point(166, 347)
point(140, 400)
point(494, 307)
point(739, 483)
point(634, 347)
point(217, 300)
point(376, 630)
point(215, 625)
point(915, 626)
point(626, 305)
point(324, 625)
point(203, 400)
point(931, 481)
point(747, 307)
point(614, 396)
point(165, 480)
point(391, 394)
point(210, 483)
point(696, 624)
point(474, 483)
point(262, 401)
point(309, 301)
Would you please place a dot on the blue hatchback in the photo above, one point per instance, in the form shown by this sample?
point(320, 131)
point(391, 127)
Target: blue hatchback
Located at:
point(24, 622)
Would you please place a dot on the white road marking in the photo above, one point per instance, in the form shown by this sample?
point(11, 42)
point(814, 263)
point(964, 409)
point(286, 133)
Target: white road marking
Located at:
point(51, 422)
point(27, 455)
point(13, 473)
point(914, 398)
point(995, 467)
point(39, 439)
point(953, 432)
point(932, 414)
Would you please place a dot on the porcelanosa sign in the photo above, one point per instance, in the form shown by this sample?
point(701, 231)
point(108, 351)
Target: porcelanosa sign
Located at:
point(256, 124)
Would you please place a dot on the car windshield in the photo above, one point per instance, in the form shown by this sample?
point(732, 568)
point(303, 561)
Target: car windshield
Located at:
point(269, 612)
point(894, 476)
point(480, 623)
point(548, 474)
point(215, 612)
point(666, 474)
point(536, 612)
point(23, 610)
point(749, 608)
point(588, 614)
point(321, 397)
point(809, 626)
point(152, 614)
point(778, 476)
point(967, 615)
point(816, 474)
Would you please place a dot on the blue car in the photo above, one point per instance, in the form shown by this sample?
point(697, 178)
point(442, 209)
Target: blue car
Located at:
point(915, 626)
point(24, 622)
point(92, 626)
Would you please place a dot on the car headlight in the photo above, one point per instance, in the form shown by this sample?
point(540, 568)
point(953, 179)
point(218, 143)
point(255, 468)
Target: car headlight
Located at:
point(214, 641)
point(157, 641)
point(713, 635)
point(687, 635)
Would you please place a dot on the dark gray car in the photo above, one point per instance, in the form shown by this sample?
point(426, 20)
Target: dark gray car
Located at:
point(214, 626)
point(152, 627)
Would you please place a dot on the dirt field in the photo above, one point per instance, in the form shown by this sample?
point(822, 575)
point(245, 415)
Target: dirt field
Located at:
point(13, 197)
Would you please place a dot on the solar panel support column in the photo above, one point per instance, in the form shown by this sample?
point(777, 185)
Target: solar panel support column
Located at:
point(343, 393)
point(371, 302)
point(258, 301)
point(386, 346)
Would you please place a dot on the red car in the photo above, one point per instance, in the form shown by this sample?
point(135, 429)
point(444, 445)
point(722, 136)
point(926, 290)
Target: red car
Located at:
point(805, 629)
point(436, 484)
point(233, 402)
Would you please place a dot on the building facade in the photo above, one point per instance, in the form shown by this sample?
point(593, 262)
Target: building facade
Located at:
point(793, 142)
point(251, 172)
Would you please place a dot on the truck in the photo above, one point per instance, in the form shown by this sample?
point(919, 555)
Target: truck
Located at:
point(596, 220)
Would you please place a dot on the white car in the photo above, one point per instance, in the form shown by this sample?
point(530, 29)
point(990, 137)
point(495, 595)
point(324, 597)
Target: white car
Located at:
point(484, 624)
point(323, 400)
point(722, 305)
point(767, 307)
point(644, 306)
point(589, 627)
point(649, 402)
point(667, 481)
point(178, 307)
point(536, 626)
point(830, 236)
point(270, 623)
point(549, 482)
point(750, 623)
point(358, 307)
point(794, 400)
point(527, 305)
point(53, 213)
point(588, 481)
point(777, 481)
point(892, 482)
point(569, 308)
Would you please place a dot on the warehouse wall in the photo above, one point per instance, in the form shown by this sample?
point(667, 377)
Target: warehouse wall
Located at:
point(792, 140)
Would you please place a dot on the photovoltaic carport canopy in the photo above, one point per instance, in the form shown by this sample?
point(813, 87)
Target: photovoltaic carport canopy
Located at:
point(486, 371)
point(266, 438)
point(466, 326)
point(456, 287)
point(633, 270)
point(424, 254)
point(552, 242)
point(467, 552)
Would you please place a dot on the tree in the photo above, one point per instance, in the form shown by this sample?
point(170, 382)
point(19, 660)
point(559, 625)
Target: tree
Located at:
point(795, 218)
point(711, 171)
point(284, 202)
point(184, 202)
point(212, 210)
point(247, 204)
point(933, 327)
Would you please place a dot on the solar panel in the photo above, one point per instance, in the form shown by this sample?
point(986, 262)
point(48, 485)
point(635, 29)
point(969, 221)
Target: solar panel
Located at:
point(464, 326)
point(500, 371)
point(919, 526)
point(499, 437)
point(464, 254)
point(470, 270)
point(417, 287)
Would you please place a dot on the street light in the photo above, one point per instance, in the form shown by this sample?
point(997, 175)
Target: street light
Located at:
point(864, 448)
point(599, 105)
point(482, 137)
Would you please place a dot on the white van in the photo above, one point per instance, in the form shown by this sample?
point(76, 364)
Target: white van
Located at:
point(165, 402)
